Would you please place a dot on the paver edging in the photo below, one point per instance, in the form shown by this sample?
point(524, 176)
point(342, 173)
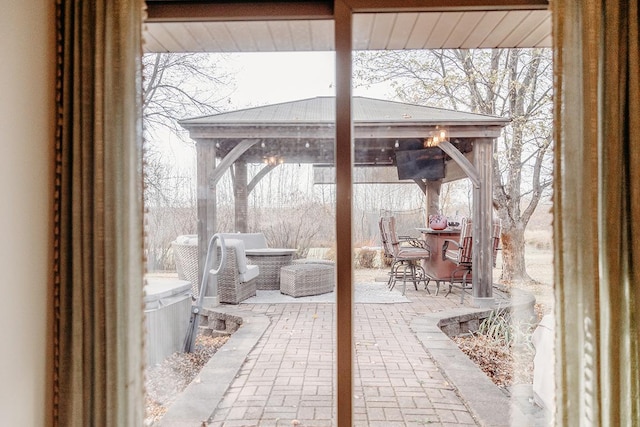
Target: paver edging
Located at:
point(489, 405)
point(199, 400)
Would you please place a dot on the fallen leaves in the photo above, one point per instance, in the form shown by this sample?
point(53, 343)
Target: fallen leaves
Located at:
point(164, 381)
point(502, 364)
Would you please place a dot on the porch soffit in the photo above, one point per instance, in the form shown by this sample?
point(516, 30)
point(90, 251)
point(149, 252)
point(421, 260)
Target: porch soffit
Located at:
point(372, 31)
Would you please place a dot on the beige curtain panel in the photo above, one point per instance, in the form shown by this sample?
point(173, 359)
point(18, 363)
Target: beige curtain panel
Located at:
point(597, 211)
point(97, 231)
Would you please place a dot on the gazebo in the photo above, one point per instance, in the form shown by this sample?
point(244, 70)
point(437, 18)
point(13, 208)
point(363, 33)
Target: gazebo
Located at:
point(386, 133)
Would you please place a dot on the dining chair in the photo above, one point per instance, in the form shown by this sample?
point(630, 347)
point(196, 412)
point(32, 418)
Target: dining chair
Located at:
point(460, 252)
point(405, 257)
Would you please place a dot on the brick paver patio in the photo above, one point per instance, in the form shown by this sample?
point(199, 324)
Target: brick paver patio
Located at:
point(288, 377)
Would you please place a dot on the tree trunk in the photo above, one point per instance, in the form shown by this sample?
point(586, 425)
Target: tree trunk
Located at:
point(513, 263)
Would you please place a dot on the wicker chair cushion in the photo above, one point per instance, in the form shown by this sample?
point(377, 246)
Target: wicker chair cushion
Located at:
point(411, 252)
point(187, 239)
point(251, 240)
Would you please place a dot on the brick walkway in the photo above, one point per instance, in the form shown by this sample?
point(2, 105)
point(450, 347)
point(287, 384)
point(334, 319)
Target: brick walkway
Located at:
point(289, 373)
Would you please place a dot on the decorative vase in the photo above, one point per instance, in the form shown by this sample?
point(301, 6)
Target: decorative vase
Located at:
point(437, 222)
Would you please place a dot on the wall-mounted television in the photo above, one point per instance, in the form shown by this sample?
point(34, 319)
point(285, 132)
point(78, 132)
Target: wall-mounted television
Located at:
point(419, 164)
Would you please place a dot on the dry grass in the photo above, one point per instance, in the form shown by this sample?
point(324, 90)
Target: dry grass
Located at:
point(494, 358)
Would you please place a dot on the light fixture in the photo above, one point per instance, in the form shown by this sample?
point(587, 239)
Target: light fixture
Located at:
point(306, 144)
point(439, 135)
point(273, 160)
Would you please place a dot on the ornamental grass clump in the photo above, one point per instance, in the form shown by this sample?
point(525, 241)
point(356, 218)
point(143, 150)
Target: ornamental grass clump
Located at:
point(502, 348)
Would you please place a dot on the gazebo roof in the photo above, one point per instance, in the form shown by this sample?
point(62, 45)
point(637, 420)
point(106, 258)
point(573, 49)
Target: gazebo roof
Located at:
point(365, 110)
point(302, 131)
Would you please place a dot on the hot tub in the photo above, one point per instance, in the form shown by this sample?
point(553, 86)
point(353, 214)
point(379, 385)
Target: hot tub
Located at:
point(167, 309)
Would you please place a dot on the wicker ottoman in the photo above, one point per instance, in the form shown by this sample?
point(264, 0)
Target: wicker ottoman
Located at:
point(300, 280)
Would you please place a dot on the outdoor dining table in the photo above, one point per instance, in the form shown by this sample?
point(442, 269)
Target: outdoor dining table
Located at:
point(436, 268)
point(269, 261)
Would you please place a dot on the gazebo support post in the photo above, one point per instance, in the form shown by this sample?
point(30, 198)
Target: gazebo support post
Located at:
point(432, 198)
point(206, 165)
point(241, 196)
point(482, 225)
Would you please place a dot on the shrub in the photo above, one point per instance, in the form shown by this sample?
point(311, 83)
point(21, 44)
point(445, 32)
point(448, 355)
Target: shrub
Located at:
point(365, 258)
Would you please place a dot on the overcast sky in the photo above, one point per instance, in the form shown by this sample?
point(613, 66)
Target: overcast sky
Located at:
point(268, 78)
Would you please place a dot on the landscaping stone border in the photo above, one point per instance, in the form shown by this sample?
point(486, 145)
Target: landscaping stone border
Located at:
point(490, 406)
point(197, 402)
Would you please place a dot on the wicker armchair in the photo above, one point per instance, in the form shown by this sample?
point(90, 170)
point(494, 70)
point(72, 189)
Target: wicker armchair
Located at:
point(269, 260)
point(237, 280)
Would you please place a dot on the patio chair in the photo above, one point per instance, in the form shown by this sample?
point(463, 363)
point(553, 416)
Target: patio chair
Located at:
point(461, 253)
point(405, 259)
point(270, 260)
point(237, 279)
point(185, 252)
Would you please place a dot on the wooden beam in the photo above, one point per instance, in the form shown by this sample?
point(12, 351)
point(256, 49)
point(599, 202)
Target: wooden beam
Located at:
point(230, 158)
point(344, 211)
point(327, 132)
point(206, 204)
point(462, 161)
point(240, 194)
point(482, 225)
point(261, 174)
point(422, 184)
point(199, 11)
point(453, 171)
point(399, 6)
point(432, 198)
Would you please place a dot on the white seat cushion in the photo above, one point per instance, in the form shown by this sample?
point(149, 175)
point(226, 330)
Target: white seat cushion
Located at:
point(254, 240)
point(251, 273)
point(251, 240)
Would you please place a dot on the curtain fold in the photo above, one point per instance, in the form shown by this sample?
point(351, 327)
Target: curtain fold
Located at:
point(597, 211)
point(618, 143)
point(98, 215)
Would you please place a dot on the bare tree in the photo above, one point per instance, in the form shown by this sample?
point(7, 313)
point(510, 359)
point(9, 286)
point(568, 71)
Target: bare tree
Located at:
point(514, 83)
point(175, 86)
point(181, 85)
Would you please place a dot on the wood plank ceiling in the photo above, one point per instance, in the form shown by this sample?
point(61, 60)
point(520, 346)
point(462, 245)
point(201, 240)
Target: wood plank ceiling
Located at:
point(372, 31)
